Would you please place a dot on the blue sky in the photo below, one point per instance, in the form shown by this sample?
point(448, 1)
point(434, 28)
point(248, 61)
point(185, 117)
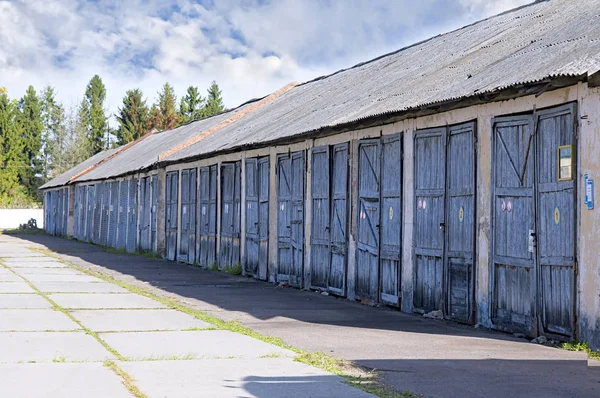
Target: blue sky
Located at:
point(250, 47)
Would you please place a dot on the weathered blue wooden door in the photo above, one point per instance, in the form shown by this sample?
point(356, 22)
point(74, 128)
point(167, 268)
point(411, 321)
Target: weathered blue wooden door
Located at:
point(514, 269)
point(171, 214)
point(320, 240)
point(556, 217)
point(132, 216)
point(59, 212)
point(263, 216)
point(105, 189)
point(459, 265)
point(207, 218)
point(444, 220)
point(254, 219)
point(122, 222)
point(290, 217)
point(113, 214)
point(391, 219)
point(184, 215)
point(91, 202)
point(82, 212)
point(329, 192)
point(187, 241)
point(429, 202)
point(145, 214)
point(534, 244)
point(367, 244)
point(339, 220)
point(153, 216)
point(230, 215)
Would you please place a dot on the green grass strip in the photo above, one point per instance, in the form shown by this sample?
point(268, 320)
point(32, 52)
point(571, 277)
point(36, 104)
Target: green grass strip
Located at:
point(578, 346)
point(128, 381)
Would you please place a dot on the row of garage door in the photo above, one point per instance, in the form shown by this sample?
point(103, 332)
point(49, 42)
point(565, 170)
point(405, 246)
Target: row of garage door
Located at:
point(56, 211)
point(107, 214)
point(533, 278)
point(533, 219)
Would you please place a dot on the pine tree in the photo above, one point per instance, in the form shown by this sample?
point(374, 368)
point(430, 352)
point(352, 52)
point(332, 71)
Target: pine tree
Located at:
point(132, 117)
point(53, 134)
point(214, 103)
point(164, 115)
point(192, 105)
point(12, 146)
point(93, 106)
point(31, 121)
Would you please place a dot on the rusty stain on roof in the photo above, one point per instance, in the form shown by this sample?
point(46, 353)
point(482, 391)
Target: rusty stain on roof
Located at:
point(235, 117)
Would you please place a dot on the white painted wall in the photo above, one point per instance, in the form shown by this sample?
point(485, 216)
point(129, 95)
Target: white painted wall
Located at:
point(12, 218)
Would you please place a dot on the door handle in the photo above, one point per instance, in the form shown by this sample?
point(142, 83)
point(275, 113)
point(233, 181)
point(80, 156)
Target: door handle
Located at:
point(442, 225)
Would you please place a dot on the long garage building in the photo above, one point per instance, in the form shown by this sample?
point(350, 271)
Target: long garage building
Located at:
point(455, 175)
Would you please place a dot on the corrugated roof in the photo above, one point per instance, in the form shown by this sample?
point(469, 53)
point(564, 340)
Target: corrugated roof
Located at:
point(66, 176)
point(530, 44)
point(526, 45)
point(146, 153)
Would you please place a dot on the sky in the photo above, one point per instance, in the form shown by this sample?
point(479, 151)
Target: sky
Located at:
point(249, 47)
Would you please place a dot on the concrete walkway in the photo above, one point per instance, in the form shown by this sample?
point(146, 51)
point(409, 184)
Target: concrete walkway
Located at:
point(434, 358)
point(67, 334)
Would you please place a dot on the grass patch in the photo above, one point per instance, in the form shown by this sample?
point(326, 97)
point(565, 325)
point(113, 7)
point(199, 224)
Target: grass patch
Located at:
point(272, 355)
point(368, 382)
point(20, 231)
point(23, 231)
point(578, 346)
point(198, 329)
point(234, 270)
point(128, 381)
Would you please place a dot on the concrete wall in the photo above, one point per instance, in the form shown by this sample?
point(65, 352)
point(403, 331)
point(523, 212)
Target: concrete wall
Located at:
point(588, 286)
point(588, 278)
point(12, 218)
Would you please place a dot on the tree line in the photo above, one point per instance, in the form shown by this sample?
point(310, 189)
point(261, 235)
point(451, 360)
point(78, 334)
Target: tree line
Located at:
point(40, 138)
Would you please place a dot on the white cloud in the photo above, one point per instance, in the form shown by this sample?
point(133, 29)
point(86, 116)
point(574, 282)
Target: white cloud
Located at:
point(249, 47)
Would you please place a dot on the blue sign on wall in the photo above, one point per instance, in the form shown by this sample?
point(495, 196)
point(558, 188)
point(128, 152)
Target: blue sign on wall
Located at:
point(589, 192)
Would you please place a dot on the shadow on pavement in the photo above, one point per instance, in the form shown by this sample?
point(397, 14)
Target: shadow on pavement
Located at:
point(436, 358)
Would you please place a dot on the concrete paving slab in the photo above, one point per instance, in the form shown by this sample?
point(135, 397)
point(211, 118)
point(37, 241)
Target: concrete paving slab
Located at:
point(47, 271)
point(15, 287)
point(23, 301)
point(36, 264)
point(40, 259)
point(104, 301)
point(35, 320)
point(7, 276)
point(65, 380)
point(79, 287)
point(48, 346)
point(19, 254)
point(62, 278)
point(226, 378)
point(137, 320)
point(196, 344)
